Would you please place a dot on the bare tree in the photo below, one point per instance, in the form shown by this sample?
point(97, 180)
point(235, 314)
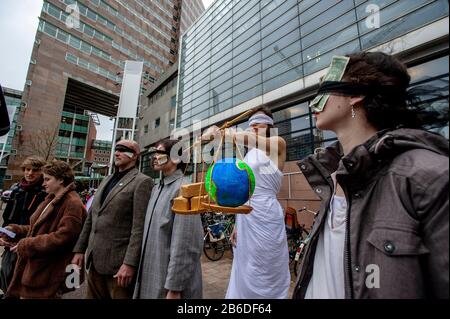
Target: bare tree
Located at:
point(43, 143)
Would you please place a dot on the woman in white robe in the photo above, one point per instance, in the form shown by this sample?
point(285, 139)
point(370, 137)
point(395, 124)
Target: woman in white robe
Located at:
point(260, 267)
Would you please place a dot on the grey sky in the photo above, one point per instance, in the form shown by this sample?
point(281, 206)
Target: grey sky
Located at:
point(18, 25)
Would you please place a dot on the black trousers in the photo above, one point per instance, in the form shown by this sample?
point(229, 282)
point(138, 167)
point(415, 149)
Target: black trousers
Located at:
point(7, 271)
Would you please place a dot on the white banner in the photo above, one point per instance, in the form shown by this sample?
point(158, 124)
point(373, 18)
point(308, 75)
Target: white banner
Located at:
point(131, 87)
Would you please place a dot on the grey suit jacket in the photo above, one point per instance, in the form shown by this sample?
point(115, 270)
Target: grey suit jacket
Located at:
point(112, 233)
point(172, 246)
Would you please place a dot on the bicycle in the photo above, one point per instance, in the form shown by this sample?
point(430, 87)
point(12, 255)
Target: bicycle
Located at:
point(217, 233)
point(297, 240)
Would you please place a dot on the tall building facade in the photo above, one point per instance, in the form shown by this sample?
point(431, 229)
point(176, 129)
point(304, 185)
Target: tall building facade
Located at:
point(13, 100)
point(243, 54)
point(78, 59)
point(190, 11)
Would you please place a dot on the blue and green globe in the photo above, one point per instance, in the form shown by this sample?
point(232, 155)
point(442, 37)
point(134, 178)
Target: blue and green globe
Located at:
point(230, 182)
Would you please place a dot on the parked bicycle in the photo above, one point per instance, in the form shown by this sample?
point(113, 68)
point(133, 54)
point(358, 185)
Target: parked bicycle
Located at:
point(217, 233)
point(297, 238)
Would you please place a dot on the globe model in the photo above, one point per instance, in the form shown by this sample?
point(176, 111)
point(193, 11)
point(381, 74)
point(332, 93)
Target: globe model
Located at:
point(230, 182)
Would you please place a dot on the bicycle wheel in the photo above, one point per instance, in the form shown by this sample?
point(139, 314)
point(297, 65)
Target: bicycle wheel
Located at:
point(213, 250)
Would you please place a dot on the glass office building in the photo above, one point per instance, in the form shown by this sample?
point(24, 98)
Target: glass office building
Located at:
point(241, 54)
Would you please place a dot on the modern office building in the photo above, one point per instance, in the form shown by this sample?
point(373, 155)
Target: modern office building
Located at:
point(242, 54)
point(13, 103)
point(157, 114)
point(79, 54)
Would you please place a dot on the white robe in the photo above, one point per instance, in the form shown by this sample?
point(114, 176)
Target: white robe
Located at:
point(261, 259)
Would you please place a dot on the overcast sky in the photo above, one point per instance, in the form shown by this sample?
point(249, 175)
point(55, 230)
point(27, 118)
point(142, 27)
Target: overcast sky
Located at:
point(18, 25)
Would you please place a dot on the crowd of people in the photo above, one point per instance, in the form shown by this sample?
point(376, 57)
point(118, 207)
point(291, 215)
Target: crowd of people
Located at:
point(381, 231)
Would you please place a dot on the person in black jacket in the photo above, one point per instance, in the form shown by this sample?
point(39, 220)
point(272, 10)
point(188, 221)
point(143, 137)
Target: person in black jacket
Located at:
point(25, 198)
point(4, 118)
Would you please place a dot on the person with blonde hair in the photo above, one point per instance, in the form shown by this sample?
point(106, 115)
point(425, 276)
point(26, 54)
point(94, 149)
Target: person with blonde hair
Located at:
point(25, 197)
point(44, 247)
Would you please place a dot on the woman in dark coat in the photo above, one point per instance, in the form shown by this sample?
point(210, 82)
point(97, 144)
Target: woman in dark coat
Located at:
point(382, 229)
point(44, 247)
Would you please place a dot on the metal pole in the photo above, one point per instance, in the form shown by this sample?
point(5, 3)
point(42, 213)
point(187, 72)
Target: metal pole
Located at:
point(111, 160)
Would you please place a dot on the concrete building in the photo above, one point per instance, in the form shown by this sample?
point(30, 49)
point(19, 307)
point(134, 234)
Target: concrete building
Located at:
point(242, 54)
point(157, 115)
point(78, 58)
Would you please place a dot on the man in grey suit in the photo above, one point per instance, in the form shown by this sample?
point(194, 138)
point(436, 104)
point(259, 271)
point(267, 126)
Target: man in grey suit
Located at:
point(112, 234)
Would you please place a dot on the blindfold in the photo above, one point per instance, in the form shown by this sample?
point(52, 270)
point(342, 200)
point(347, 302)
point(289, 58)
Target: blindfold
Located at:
point(123, 148)
point(355, 89)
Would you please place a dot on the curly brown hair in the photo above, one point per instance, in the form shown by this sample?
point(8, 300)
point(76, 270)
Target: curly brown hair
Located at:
point(35, 162)
point(60, 170)
point(386, 110)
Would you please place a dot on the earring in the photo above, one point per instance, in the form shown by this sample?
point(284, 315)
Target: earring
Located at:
point(353, 111)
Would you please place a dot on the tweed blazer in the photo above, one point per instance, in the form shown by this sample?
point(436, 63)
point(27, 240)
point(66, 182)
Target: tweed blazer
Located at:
point(112, 234)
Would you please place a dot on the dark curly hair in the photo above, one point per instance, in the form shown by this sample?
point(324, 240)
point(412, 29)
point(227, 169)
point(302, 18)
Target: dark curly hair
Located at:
point(59, 170)
point(388, 110)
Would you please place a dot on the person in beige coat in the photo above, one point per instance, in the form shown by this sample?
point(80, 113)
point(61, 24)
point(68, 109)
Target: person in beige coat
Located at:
point(112, 236)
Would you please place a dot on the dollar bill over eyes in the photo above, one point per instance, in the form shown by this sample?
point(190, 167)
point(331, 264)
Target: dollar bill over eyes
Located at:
point(335, 73)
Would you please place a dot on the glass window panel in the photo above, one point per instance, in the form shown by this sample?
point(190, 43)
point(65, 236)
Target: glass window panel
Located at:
point(92, 15)
point(72, 58)
point(285, 54)
point(306, 4)
point(220, 85)
point(218, 97)
point(54, 11)
point(245, 32)
point(328, 16)
point(253, 52)
point(83, 63)
point(283, 66)
point(327, 30)
point(282, 79)
point(296, 124)
point(89, 31)
point(74, 42)
point(298, 145)
point(392, 12)
point(326, 45)
point(271, 26)
point(85, 47)
point(248, 94)
point(291, 112)
point(314, 10)
point(362, 12)
point(287, 34)
point(238, 78)
point(62, 36)
point(50, 29)
point(247, 84)
point(429, 69)
point(324, 60)
point(404, 24)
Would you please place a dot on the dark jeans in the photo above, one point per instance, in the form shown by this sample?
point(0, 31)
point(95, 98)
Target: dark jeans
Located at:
point(6, 272)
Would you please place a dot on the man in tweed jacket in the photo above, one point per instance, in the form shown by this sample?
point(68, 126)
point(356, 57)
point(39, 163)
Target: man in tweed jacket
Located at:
point(112, 235)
